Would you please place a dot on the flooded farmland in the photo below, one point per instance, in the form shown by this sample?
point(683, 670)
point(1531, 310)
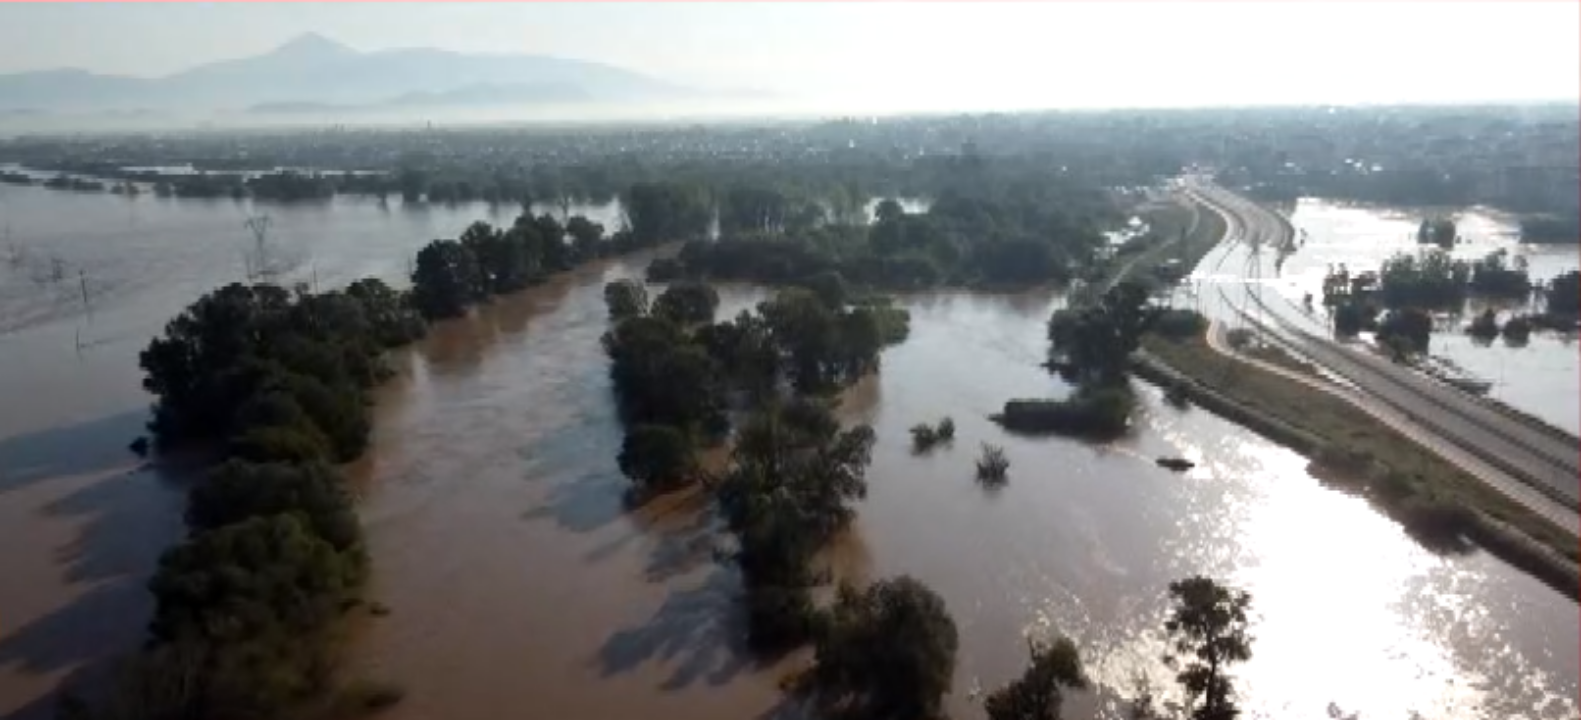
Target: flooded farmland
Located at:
point(518, 579)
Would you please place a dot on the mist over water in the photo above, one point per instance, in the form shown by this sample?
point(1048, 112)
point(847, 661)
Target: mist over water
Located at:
point(518, 579)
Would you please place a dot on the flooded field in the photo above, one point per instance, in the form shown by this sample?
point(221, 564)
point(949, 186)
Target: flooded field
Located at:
point(1542, 378)
point(518, 580)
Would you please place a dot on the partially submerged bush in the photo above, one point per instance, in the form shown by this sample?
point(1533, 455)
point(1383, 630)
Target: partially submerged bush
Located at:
point(1485, 327)
point(1518, 330)
point(993, 466)
point(1093, 412)
point(1178, 395)
point(1438, 523)
point(925, 436)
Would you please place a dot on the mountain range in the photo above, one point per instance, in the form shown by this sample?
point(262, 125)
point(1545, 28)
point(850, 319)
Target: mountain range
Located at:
point(312, 72)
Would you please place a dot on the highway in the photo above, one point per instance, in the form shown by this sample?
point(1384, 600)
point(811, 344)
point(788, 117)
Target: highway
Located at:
point(1502, 448)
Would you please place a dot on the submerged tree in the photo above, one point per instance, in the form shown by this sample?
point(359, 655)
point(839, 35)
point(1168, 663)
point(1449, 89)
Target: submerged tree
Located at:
point(1208, 633)
point(657, 456)
point(888, 652)
point(625, 299)
point(1040, 691)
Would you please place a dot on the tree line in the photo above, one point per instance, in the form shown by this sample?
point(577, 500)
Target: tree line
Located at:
point(1398, 301)
point(678, 376)
point(272, 387)
point(274, 383)
point(993, 227)
point(888, 652)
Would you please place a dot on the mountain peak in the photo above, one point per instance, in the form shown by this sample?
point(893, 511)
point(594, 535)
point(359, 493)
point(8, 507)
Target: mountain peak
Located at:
point(312, 45)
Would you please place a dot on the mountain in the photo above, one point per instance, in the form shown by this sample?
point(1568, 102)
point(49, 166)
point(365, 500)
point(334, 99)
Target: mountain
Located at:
point(312, 71)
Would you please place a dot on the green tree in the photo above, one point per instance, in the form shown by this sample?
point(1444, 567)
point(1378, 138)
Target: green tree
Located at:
point(1485, 327)
point(1097, 341)
point(197, 369)
point(236, 491)
point(1207, 626)
point(829, 286)
point(687, 303)
point(256, 578)
point(625, 299)
point(1563, 297)
point(746, 351)
point(587, 237)
point(888, 652)
point(390, 314)
point(1353, 317)
point(662, 377)
point(666, 212)
point(657, 456)
point(888, 210)
point(446, 280)
point(1410, 329)
point(1040, 691)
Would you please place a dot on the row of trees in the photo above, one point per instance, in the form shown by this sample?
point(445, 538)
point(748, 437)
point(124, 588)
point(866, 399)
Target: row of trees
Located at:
point(888, 652)
point(997, 235)
point(1410, 286)
point(1430, 280)
point(452, 275)
point(277, 381)
point(282, 186)
point(793, 470)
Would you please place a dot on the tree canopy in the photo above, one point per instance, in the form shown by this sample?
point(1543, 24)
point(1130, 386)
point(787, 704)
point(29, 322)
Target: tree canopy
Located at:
point(1039, 693)
point(888, 652)
point(1207, 626)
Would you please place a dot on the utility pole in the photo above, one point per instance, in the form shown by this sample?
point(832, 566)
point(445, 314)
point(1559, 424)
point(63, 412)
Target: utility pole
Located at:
point(259, 225)
point(82, 280)
point(15, 253)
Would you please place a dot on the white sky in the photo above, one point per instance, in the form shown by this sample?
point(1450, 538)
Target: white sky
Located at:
point(926, 55)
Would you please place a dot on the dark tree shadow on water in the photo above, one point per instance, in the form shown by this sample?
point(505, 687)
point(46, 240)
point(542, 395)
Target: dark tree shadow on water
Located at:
point(585, 503)
point(680, 530)
point(123, 520)
point(700, 629)
point(684, 544)
point(78, 449)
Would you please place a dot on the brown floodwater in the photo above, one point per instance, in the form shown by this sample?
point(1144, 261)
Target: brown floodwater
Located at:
point(521, 585)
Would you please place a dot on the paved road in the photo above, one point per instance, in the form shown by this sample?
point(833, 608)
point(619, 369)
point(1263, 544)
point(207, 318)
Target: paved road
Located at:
point(1453, 423)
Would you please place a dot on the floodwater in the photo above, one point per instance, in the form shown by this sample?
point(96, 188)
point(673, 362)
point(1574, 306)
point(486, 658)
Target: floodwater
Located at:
point(1542, 377)
point(519, 583)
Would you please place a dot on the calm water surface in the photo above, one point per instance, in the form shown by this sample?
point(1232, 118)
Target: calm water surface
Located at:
point(518, 580)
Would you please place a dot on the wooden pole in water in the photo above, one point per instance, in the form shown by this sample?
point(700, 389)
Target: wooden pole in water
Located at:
point(82, 279)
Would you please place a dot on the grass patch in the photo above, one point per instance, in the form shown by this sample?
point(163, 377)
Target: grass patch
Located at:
point(1278, 356)
point(1169, 222)
point(1433, 498)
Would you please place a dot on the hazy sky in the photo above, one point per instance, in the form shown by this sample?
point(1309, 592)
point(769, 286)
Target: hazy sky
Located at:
point(1047, 54)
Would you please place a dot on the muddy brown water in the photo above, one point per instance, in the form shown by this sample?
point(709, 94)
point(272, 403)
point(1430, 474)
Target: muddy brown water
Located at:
point(521, 586)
